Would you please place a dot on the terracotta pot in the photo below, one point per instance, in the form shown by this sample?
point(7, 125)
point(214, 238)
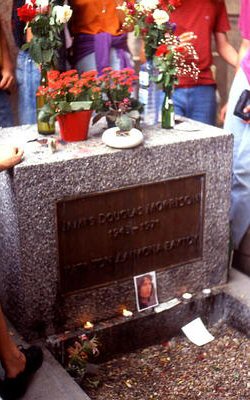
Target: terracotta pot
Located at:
point(74, 126)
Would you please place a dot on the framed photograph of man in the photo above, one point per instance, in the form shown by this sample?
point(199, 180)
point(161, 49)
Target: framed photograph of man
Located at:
point(146, 291)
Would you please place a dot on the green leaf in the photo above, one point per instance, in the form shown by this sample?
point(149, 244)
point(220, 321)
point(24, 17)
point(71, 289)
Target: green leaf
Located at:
point(137, 31)
point(80, 105)
point(25, 46)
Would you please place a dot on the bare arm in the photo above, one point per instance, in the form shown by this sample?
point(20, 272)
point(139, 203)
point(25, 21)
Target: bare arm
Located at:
point(244, 47)
point(7, 70)
point(9, 156)
point(225, 49)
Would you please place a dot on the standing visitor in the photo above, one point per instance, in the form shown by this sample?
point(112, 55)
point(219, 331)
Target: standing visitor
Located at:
point(202, 20)
point(27, 72)
point(240, 206)
point(6, 81)
point(18, 363)
point(99, 42)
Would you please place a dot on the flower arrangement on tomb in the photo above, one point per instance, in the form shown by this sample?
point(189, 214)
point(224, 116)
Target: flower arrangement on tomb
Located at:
point(174, 58)
point(45, 20)
point(118, 104)
point(79, 354)
point(150, 19)
point(170, 56)
point(69, 92)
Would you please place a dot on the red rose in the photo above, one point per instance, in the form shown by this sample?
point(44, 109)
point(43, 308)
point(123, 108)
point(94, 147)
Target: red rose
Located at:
point(144, 31)
point(161, 50)
point(26, 13)
point(181, 49)
point(149, 19)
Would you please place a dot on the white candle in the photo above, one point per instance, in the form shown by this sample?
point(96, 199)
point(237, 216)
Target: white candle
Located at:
point(187, 296)
point(88, 325)
point(127, 313)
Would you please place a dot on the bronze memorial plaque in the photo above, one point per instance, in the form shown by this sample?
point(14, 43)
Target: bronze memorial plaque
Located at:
point(109, 236)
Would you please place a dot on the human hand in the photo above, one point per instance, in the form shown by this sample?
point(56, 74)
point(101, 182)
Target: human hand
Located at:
point(187, 37)
point(247, 110)
point(7, 79)
point(223, 112)
point(9, 156)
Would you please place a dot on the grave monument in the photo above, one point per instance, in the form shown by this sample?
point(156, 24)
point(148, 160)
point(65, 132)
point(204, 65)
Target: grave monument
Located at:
point(77, 225)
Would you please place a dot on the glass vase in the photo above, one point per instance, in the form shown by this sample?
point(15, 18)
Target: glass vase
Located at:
point(44, 128)
point(167, 118)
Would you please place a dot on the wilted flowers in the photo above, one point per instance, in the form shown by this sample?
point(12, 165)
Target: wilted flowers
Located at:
point(46, 20)
point(80, 352)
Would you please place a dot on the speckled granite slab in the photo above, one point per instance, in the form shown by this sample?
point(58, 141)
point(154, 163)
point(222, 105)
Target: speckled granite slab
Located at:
point(29, 283)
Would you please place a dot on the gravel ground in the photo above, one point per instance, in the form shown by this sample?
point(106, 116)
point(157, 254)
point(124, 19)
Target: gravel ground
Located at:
point(180, 370)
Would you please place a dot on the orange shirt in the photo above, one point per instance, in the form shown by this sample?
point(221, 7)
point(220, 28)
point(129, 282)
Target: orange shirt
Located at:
point(95, 16)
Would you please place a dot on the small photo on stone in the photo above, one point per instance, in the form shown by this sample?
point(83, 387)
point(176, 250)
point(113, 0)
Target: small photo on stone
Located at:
point(145, 291)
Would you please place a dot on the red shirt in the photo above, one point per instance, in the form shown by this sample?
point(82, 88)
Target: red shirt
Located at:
point(204, 18)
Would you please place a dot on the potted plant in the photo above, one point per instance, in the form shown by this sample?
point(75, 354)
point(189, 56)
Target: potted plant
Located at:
point(120, 108)
point(71, 99)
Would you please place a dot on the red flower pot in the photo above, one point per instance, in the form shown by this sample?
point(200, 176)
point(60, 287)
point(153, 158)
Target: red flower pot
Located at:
point(74, 126)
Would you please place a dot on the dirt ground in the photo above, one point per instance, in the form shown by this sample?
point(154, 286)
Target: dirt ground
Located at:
point(180, 370)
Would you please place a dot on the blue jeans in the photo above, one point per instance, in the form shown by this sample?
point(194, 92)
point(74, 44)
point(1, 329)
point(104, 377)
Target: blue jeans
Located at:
point(197, 102)
point(6, 117)
point(28, 79)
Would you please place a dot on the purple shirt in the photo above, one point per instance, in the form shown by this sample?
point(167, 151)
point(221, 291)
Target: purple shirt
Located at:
point(244, 25)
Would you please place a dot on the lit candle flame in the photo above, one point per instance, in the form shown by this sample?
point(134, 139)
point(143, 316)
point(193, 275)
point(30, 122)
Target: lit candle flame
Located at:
point(88, 325)
point(127, 313)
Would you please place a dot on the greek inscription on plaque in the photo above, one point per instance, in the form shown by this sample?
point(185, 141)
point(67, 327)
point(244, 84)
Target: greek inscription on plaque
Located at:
point(110, 236)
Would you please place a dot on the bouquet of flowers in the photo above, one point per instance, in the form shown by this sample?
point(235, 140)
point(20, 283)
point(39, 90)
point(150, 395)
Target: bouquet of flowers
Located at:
point(118, 105)
point(172, 59)
point(67, 92)
point(80, 353)
point(45, 20)
point(150, 19)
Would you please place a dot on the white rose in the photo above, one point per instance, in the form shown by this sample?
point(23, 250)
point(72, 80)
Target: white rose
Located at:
point(149, 4)
point(160, 17)
point(42, 3)
point(62, 14)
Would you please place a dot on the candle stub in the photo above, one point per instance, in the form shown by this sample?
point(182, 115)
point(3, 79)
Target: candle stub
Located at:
point(88, 325)
point(187, 296)
point(206, 291)
point(127, 313)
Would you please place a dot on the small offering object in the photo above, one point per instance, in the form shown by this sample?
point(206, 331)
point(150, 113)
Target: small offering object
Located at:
point(187, 296)
point(206, 291)
point(52, 144)
point(127, 313)
point(197, 333)
point(88, 325)
point(117, 139)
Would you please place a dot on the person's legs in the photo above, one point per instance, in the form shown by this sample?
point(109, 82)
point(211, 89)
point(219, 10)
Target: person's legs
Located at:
point(6, 117)
point(202, 104)
point(28, 79)
point(86, 63)
point(197, 103)
point(180, 99)
point(18, 364)
point(12, 359)
point(240, 195)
